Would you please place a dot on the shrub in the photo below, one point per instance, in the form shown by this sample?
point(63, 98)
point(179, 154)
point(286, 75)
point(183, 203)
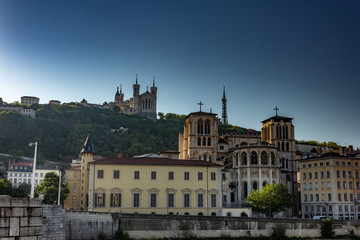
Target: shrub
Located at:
point(327, 228)
point(279, 233)
point(101, 235)
point(120, 235)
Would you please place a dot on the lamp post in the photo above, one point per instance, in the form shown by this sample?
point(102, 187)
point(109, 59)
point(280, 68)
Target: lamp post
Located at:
point(33, 171)
point(59, 188)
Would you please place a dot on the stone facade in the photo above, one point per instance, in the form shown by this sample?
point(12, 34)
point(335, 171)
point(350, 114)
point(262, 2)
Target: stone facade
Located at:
point(143, 104)
point(53, 218)
point(20, 218)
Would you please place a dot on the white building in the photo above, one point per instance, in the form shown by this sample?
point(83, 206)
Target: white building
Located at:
point(19, 173)
point(27, 100)
point(19, 109)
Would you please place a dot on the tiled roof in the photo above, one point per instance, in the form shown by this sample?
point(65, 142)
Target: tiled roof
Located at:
point(155, 161)
point(201, 113)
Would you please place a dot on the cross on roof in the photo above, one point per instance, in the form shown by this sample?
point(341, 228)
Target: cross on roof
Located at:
point(200, 103)
point(276, 110)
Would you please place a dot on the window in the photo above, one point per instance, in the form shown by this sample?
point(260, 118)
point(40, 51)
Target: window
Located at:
point(304, 166)
point(328, 174)
point(311, 198)
point(76, 174)
point(304, 186)
point(340, 208)
point(171, 199)
point(338, 174)
point(116, 174)
point(338, 185)
point(327, 163)
point(304, 176)
point(321, 174)
point(186, 200)
point(100, 173)
point(316, 175)
point(317, 197)
point(213, 200)
point(345, 197)
point(41, 174)
point(200, 200)
point(328, 185)
point(321, 164)
point(153, 175)
point(344, 174)
point(310, 186)
point(213, 176)
point(351, 197)
point(153, 200)
point(329, 197)
point(310, 175)
point(115, 200)
point(136, 174)
point(315, 164)
point(345, 185)
point(99, 199)
point(305, 197)
point(343, 163)
point(186, 175)
point(350, 185)
point(75, 187)
point(136, 200)
point(309, 165)
point(200, 176)
point(36, 174)
point(316, 186)
point(357, 174)
point(339, 197)
point(350, 174)
point(171, 175)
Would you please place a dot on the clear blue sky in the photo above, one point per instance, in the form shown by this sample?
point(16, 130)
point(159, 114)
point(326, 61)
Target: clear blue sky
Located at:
point(302, 56)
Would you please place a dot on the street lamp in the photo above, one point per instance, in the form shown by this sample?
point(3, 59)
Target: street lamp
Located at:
point(33, 171)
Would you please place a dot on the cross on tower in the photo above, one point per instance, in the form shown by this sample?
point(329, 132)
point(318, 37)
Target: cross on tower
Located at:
point(276, 110)
point(200, 103)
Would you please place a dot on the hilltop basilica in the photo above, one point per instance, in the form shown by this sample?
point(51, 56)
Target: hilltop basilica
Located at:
point(143, 104)
point(249, 161)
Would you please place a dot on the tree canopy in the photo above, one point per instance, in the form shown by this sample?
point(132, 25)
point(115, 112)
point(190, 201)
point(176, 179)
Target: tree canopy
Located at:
point(271, 199)
point(6, 188)
point(50, 189)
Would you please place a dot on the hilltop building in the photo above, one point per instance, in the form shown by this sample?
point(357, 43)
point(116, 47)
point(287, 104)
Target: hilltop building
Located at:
point(142, 184)
point(143, 104)
point(54, 102)
point(27, 100)
point(19, 109)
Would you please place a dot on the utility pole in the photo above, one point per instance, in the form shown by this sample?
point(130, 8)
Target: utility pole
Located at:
point(34, 169)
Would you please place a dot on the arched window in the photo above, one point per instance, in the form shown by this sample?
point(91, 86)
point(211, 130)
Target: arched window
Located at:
point(207, 126)
point(204, 157)
point(232, 197)
point(264, 158)
point(244, 158)
point(199, 141)
point(287, 146)
point(254, 158)
point(200, 126)
point(209, 158)
point(272, 158)
point(264, 183)
point(255, 186)
point(237, 159)
point(283, 163)
point(279, 146)
point(213, 214)
point(204, 141)
point(286, 132)
point(209, 141)
point(282, 146)
point(277, 132)
point(245, 189)
point(287, 163)
point(200, 214)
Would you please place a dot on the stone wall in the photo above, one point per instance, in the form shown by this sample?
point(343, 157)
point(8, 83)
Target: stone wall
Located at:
point(87, 225)
point(53, 218)
point(20, 218)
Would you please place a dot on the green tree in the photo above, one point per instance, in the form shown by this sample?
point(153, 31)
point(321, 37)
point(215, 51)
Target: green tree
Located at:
point(272, 199)
point(23, 190)
point(6, 188)
point(50, 188)
point(327, 228)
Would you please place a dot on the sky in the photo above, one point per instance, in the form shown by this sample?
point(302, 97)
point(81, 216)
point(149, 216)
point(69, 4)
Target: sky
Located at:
point(301, 56)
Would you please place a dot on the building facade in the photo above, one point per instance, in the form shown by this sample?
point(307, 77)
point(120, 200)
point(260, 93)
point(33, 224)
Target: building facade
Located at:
point(143, 104)
point(19, 109)
point(330, 186)
point(21, 172)
point(27, 100)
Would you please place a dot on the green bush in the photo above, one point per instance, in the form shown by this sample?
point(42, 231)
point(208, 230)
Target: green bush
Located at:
point(279, 233)
point(101, 235)
point(327, 228)
point(121, 235)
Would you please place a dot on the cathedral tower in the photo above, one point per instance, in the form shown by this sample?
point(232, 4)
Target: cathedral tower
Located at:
point(200, 138)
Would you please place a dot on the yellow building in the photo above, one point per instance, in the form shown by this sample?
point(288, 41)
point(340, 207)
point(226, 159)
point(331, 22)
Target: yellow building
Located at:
point(146, 185)
point(72, 177)
point(330, 186)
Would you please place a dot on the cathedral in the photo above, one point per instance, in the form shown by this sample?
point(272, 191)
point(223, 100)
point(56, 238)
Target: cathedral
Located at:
point(143, 104)
point(249, 161)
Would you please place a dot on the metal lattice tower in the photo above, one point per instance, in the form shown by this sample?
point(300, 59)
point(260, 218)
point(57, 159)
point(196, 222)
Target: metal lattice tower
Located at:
point(224, 111)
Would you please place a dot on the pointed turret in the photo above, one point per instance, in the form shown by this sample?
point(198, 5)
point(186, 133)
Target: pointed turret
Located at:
point(87, 148)
point(153, 89)
point(224, 110)
point(117, 92)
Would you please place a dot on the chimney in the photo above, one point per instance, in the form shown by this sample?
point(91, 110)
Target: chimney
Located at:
point(319, 151)
point(351, 148)
point(120, 155)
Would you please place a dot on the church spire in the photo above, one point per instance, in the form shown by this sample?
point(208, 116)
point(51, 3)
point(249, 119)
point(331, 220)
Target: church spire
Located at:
point(120, 88)
point(153, 81)
point(136, 78)
point(224, 111)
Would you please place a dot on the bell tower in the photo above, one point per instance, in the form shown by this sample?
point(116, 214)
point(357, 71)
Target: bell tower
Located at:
point(87, 155)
